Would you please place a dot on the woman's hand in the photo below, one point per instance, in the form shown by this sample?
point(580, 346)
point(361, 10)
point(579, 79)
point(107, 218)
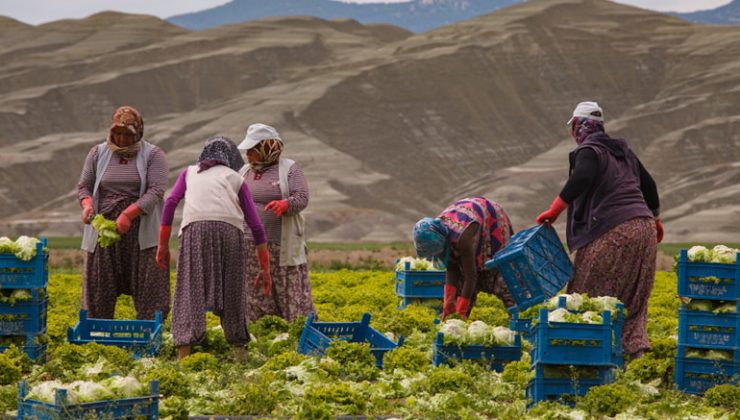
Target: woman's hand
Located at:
point(123, 222)
point(550, 215)
point(279, 207)
point(263, 277)
point(87, 210)
point(163, 248)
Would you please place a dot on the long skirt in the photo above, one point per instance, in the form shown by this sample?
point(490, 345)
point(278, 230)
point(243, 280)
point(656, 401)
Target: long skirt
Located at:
point(621, 263)
point(492, 282)
point(291, 287)
point(124, 269)
point(210, 277)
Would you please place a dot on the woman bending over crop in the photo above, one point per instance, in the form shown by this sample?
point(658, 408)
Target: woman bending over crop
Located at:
point(124, 178)
point(464, 236)
point(212, 260)
point(280, 192)
point(613, 222)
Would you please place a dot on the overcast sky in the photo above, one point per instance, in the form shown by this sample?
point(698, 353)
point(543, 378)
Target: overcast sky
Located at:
point(40, 11)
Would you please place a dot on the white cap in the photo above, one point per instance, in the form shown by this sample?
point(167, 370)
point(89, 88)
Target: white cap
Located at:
point(256, 133)
point(587, 110)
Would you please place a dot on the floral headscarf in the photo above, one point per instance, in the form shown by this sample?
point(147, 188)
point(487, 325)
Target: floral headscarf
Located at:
point(129, 118)
point(220, 151)
point(430, 238)
point(586, 128)
point(268, 153)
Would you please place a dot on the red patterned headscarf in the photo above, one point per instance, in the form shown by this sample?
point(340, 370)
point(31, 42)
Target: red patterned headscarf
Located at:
point(129, 118)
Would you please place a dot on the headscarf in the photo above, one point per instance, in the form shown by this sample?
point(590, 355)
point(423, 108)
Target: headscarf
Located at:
point(268, 153)
point(130, 118)
point(430, 239)
point(587, 127)
point(220, 151)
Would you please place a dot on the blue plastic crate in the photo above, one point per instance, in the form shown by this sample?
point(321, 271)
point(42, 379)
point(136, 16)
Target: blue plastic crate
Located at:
point(565, 343)
point(497, 356)
point(317, 336)
point(695, 376)
point(708, 330)
point(19, 274)
point(563, 390)
point(136, 407)
point(534, 265)
point(23, 317)
point(521, 325)
point(690, 283)
point(35, 352)
point(420, 284)
point(142, 337)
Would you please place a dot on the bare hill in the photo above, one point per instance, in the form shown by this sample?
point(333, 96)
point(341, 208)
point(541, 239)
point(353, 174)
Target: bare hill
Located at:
point(389, 126)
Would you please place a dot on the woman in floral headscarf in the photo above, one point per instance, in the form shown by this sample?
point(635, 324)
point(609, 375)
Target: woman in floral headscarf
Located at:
point(463, 237)
point(280, 192)
point(211, 266)
point(124, 179)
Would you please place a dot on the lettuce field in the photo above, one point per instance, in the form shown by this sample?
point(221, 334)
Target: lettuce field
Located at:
point(275, 381)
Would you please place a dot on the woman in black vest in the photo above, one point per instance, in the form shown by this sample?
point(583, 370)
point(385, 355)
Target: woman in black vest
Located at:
point(613, 223)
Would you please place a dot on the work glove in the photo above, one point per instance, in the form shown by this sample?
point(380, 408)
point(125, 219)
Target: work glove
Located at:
point(463, 307)
point(163, 248)
point(263, 277)
point(659, 229)
point(448, 307)
point(550, 215)
point(123, 222)
point(277, 206)
point(87, 210)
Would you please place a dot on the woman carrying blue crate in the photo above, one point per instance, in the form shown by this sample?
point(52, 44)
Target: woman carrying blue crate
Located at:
point(212, 260)
point(612, 223)
point(463, 237)
point(124, 179)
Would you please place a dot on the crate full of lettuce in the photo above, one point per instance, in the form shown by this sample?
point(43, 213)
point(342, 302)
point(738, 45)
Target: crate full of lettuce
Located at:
point(574, 329)
point(459, 340)
point(705, 273)
point(418, 279)
point(23, 263)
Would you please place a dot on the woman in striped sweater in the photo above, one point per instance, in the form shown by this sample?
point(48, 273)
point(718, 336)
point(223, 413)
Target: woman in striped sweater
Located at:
point(280, 192)
point(124, 178)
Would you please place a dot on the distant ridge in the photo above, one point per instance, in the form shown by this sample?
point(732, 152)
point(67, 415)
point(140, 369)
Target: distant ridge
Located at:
point(415, 15)
point(728, 14)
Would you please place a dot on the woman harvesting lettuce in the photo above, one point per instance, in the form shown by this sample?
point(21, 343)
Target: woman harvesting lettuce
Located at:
point(464, 236)
point(613, 222)
point(123, 179)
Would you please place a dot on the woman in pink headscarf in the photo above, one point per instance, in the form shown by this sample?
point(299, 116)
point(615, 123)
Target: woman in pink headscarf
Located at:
point(124, 179)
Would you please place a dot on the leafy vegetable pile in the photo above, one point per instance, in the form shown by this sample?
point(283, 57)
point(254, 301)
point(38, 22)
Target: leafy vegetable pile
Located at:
point(458, 332)
point(415, 264)
point(275, 381)
point(719, 254)
point(24, 248)
point(107, 231)
point(579, 308)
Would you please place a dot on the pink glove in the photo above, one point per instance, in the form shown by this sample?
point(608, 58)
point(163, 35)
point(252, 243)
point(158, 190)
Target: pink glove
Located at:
point(463, 307)
point(550, 215)
point(263, 257)
point(448, 307)
point(163, 249)
point(659, 228)
point(87, 210)
point(277, 206)
point(123, 222)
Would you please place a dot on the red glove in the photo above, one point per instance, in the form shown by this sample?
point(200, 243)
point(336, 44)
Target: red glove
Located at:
point(550, 215)
point(123, 223)
point(463, 307)
point(277, 206)
point(87, 210)
point(263, 257)
point(163, 249)
point(448, 307)
point(659, 228)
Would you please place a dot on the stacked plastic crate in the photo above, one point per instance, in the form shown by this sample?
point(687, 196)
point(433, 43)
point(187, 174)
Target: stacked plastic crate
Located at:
point(419, 285)
point(708, 338)
point(567, 358)
point(570, 358)
point(24, 302)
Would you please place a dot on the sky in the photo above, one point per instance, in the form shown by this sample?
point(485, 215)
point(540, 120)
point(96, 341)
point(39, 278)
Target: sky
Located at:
point(41, 11)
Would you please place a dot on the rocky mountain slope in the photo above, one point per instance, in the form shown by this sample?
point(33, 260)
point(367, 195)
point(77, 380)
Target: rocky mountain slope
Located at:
point(389, 126)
